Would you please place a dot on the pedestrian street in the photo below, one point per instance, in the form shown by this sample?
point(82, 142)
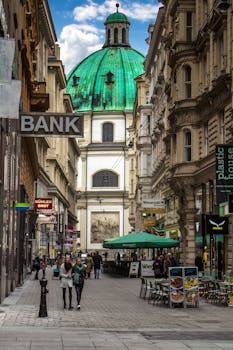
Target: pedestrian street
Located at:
point(112, 316)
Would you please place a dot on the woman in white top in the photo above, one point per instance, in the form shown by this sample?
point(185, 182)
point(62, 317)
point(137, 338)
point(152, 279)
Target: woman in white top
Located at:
point(67, 280)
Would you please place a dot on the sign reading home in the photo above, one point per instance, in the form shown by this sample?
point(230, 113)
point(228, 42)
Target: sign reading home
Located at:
point(51, 124)
point(224, 172)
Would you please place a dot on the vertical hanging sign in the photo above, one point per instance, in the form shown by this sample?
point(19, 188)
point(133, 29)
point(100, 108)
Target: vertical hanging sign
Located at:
point(224, 172)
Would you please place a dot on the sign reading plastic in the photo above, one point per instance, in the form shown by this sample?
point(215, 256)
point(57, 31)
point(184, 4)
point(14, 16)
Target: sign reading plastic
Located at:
point(224, 172)
point(55, 124)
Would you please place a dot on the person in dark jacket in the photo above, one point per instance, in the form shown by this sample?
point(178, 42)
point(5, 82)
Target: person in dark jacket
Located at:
point(37, 267)
point(97, 260)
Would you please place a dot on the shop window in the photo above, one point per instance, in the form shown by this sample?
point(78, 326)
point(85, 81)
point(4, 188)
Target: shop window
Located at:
point(105, 178)
point(107, 132)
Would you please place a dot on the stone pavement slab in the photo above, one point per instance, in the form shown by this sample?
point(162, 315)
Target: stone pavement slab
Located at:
point(112, 316)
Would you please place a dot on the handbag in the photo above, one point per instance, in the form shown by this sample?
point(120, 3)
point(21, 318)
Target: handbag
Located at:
point(81, 279)
point(78, 279)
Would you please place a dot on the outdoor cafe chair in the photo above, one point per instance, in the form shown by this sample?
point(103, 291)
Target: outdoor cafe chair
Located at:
point(152, 293)
point(148, 288)
point(222, 294)
point(143, 288)
point(212, 292)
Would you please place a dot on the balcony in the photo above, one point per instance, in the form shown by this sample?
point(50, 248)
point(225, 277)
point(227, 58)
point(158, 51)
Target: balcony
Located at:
point(39, 97)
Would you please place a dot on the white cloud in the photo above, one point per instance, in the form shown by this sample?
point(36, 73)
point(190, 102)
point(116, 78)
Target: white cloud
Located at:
point(135, 10)
point(77, 42)
point(80, 39)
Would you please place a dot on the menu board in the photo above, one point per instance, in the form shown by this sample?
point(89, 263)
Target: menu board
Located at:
point(191, 286)
point(147, 268)
point(176, 286)
point(134, 267)
point(183, 282)
point(229, 285)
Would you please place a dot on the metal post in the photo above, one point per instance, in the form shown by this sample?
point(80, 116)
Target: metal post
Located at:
point(44, 291)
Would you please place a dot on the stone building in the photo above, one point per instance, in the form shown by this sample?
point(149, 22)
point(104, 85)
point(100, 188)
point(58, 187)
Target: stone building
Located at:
point(102, 87)
point(189, 70)
point(34, 167)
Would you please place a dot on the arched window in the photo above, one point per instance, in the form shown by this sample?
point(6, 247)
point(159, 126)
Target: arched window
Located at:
point(116, 36)
point(109, 35)
point(105, 178)
point(123, 36)
point(188, 81)
point(187, 146)
point(107, 132)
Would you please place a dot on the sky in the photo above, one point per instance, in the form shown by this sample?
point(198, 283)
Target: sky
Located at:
point(80, 26)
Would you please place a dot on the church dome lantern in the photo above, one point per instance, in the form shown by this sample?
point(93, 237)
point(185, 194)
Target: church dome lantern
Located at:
point(105, 80)
point(117, 29)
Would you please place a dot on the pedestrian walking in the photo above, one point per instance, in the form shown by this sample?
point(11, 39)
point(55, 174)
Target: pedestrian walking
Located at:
point(79, 277)
point(66, 274)
point(89, 265)
point(97, 260)
point(36, 266)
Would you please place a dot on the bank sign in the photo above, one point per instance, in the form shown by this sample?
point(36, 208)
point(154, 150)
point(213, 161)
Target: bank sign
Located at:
point(224, 172)
point(51, 124)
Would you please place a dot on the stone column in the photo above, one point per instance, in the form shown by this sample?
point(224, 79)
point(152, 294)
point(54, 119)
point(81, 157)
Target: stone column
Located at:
point(185, 191)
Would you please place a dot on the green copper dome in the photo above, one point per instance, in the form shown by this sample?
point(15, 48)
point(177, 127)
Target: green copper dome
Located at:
point(104, 81)
point(116, 17)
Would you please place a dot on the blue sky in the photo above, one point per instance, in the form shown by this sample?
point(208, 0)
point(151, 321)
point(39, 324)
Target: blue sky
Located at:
point(80, 25)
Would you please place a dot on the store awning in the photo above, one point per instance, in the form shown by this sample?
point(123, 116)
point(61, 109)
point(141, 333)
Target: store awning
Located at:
point(159, 231)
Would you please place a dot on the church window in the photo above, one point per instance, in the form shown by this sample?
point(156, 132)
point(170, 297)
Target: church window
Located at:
point(109, 35)
point(116, 36)
point(123, 36)
point(75, 80)
point(107, 132)
point(105, 178)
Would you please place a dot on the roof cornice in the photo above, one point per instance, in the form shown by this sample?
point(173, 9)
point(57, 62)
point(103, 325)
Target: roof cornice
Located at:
point(46, 22)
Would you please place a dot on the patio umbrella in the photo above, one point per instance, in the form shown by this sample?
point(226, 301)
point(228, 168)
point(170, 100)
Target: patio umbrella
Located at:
point(140, 240)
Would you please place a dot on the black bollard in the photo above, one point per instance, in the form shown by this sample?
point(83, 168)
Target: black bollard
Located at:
point(44, 291)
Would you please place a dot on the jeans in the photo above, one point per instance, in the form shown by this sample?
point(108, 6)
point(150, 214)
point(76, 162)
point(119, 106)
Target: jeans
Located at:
point(70, 297)
point(79, 289)
point(97, 272)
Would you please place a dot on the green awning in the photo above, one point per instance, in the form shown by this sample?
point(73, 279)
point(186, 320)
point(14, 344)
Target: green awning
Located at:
point(140, 240)
point(159, 230)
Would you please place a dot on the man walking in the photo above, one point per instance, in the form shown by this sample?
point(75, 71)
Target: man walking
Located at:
point(97, 260)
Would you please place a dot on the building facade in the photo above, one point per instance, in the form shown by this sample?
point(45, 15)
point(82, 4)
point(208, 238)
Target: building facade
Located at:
point(189, 70)
point(33, 167)
point(102, 87)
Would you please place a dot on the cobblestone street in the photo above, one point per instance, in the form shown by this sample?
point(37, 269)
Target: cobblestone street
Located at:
point(112, 316)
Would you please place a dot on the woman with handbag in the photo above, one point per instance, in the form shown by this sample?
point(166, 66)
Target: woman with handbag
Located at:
point(79, 276)
point(66, 280)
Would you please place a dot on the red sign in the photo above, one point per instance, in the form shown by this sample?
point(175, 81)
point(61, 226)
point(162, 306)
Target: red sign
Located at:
point(43, 203)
